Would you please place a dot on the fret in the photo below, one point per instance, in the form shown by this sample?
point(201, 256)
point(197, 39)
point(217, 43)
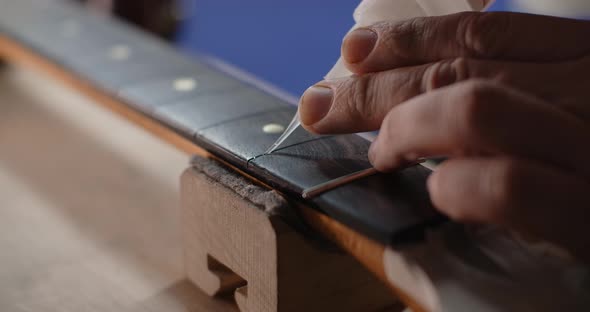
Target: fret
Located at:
point(49, 29)
point(305, 165)
point(114, 71)
point(205, 111)
point(47, 20)
point(183, 85)
point(19, 14)
point(393, 208)
point(222, 114)
point(246, 137)
point(136, 47)
point(121, 59)
point(96, 46)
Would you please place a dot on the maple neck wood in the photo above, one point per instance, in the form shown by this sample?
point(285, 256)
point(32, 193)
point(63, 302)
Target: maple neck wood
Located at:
point(222, 114)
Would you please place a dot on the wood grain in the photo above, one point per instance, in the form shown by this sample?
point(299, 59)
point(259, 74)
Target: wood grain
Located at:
point(13, 52)
point(18, 54)
point(356, 245)
point(127, 58)
point(341, 234)
point(235, 246)
point(115, 246)
point(88, 222)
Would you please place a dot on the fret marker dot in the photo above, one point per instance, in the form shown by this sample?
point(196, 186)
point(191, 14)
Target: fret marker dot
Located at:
point(273, 128)
point(119, 52)
point(184, 84)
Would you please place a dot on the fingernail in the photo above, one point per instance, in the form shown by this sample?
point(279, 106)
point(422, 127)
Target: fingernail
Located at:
point(315, 104)
point(358, 45)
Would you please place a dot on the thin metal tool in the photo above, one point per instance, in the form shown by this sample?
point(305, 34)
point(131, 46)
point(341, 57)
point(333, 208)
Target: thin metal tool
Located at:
point(322, 188)
point(295, 123)
point(330, 185)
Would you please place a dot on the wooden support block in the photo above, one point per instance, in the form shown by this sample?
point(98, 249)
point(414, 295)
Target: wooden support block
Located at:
point(235, 242)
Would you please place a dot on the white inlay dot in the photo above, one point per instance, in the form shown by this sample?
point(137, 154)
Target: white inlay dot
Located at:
point(273, 128)
point(119, 52)
point(184, 84)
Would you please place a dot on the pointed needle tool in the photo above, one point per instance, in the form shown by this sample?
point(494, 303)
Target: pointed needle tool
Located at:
point(295, 123)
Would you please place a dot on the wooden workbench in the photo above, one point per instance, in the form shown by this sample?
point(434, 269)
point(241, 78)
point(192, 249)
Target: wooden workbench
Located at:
point(114, 247)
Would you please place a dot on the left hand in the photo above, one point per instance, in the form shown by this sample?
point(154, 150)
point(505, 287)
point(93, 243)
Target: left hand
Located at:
point(505, 95)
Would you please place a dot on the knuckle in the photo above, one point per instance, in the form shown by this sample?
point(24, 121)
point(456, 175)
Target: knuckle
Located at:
point(484, 34)
point(460, 66)
point(360, 101)
point(445, 73)
point(401, 38)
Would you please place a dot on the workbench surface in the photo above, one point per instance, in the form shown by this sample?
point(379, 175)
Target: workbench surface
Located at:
point(89, 218)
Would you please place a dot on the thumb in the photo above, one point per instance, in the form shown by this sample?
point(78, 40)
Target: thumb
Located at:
point(355, 104)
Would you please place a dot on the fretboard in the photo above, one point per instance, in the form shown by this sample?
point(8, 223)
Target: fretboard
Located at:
point(222, 114)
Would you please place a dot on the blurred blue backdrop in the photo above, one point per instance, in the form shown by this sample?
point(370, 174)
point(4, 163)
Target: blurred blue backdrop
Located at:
point(291, 44)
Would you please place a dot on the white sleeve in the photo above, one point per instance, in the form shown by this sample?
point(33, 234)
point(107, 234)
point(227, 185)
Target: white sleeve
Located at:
point(373, 11)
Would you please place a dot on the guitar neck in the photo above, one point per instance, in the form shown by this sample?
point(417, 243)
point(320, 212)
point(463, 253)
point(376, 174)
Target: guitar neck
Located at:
point(231, 118)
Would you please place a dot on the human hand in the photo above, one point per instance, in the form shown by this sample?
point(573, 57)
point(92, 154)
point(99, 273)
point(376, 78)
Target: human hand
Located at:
point(505, 95)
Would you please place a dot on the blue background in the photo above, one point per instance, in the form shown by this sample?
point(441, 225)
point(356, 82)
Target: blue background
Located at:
point(290, 43)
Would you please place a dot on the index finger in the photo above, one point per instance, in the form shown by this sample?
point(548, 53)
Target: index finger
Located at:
point(498, 35)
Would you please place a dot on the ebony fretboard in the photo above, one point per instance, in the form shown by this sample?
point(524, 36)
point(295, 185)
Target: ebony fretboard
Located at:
point(220, 113)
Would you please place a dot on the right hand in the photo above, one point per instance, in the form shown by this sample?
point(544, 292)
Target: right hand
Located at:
point(505, 95)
